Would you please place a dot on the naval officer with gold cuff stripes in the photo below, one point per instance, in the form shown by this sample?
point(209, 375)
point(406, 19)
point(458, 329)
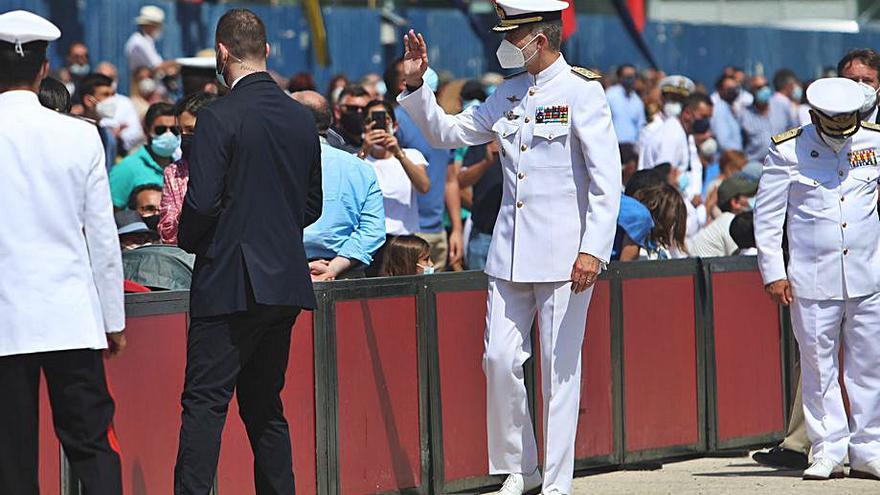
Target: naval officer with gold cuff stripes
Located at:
point(822, 179)
point(555, 228)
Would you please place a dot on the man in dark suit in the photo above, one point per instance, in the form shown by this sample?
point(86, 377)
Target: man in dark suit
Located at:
point(255, 184)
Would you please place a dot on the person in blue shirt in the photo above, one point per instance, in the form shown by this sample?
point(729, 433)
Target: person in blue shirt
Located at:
point(341, 244)
point(443, 173)
point(627, 108)
point(725, 125)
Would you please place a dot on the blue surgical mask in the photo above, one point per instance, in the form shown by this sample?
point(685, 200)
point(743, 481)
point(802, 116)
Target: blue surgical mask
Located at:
point(752, 201)
point(428, 269)
point(165, 145)
point(764, 94)
point(684, 180)
point(797, 93)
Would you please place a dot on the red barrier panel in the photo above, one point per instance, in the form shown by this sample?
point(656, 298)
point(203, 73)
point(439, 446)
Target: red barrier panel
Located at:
point(50, 449)
point(660, 368)
point(235, 471)
point(748, 365)
point(146, 383)
point(378, 395)
point(462, 383)
point(595, 429)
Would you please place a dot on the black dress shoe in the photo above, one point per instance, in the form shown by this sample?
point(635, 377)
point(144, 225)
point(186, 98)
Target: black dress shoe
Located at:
point(780, 458)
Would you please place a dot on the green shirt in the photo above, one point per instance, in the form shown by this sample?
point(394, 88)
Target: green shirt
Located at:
point(133, 171)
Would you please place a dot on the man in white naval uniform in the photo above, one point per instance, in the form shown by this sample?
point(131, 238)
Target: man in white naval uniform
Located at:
point(60, 274)
point(822, 179)
point(554, 232)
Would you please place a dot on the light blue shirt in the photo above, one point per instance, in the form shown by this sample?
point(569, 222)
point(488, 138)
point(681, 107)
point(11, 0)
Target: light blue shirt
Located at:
point(782, 114)
point(352, 223)
point(758, 130)
point(725, 127)
point(627, 113)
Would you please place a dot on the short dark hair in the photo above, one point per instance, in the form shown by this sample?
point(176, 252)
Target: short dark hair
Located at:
point(628, 153)
point(132, 198)
point(91, 82)
point(194, 102)
point(54, 95)
point(301, 81)
point(742, 230)
point(353, 90)
point(243, 33)
point(157, 110)
point(20, 70)
point(694, 100)
point(391, 77)
point(782, 77)
point(623, 67)
point(389, 109)
point(867, 56)
point(644, 178)
point(76, 43)
point(720, 81)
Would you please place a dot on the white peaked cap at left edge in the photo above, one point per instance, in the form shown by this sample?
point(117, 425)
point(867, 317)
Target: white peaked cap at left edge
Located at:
point(21, 26)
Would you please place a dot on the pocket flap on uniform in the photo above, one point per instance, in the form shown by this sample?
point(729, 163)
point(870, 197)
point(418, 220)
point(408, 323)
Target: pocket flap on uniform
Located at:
point(550, 131)
point(814, 179)
point(504, 127)
point(865, 174)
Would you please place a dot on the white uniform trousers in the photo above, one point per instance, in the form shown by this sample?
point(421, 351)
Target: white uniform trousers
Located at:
point(821, 327)
point(562, 317)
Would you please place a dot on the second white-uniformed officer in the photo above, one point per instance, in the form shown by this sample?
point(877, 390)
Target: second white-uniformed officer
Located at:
point(555, 228)
point(61, 294)
point(822, 179)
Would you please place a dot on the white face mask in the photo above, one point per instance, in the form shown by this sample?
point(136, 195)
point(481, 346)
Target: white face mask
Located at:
point(106, 108)
point(870, 99)
point(836, 143)
point(709, 148)
point(146, 86)
point(672, 109)
point(512, 57)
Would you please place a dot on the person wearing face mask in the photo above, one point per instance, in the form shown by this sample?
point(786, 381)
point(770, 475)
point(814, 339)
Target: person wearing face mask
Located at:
point(147, 164)
point(673, 91)
point(96, 94)
point(407, 255)
point(735, 195)
point(146, 200)
point(862, 65)
point(627, 108)
point(820, 180)
point(785, 101)
point(724, 122)
point(75, 69)
point(560, 202)
point(125, 123)
point(756, 124)
point(347, 131)
point(176, 175)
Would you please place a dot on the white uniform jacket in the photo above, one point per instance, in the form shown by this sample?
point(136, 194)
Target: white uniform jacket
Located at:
point(830, 202)
point(60, 263)
point(669, 143)
point(561, 168)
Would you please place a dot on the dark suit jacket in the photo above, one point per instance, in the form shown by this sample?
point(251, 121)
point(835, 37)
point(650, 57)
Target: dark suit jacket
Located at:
point(254, 185)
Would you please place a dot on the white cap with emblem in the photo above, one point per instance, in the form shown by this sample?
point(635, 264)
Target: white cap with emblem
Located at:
point(835, 96)
point(515, 13)
point(677, 84)
point(20, 27)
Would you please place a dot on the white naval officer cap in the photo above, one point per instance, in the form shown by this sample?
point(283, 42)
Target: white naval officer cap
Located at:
point(21, 27)
point(515, 13)
point(677, 84)
point(835, 104)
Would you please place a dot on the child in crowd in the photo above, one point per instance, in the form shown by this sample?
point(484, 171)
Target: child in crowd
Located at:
point(407, 255)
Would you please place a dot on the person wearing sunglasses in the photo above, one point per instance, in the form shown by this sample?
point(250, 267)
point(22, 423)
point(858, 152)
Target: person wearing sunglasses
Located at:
point(347, 132)
point(148, 163)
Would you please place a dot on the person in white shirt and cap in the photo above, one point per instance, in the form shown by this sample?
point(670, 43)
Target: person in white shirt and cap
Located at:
point(140, 49)
point(673, 91)
point(61, 296)
point(554, 233)
point(822, 179)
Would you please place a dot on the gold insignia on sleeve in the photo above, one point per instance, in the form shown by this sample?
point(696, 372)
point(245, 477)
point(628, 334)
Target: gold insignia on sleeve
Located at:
point(586, 73)
point(871, 126)
point(786, 136)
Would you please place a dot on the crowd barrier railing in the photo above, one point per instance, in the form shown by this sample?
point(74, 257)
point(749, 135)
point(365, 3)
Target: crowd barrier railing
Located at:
point(386, 394)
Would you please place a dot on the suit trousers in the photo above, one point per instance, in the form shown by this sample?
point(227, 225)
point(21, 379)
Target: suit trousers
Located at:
point(796, 433)
point(245, 353)
point(821, 328)
point(562, 316)
point(82, 413)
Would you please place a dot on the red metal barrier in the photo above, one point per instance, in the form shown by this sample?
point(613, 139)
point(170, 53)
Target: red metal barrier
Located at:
point(748, 364)
point(462, 384)
point(661, 401)
point(379, 438)
point(235, 471)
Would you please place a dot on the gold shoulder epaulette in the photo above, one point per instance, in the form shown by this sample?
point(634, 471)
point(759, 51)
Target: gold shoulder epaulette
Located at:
point(871, 126)
point(511, 76)
point(786, 136)
point(586, 73)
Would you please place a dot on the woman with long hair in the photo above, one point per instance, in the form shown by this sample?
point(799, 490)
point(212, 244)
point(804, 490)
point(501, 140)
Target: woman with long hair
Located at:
point(407, 255)
point(667, 238)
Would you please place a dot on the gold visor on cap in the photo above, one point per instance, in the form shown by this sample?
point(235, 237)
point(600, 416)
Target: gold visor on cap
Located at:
point(844, 125)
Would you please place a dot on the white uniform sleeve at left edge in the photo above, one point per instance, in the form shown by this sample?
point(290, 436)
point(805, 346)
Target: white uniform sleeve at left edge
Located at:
point(102, 240)
point(592, 121)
